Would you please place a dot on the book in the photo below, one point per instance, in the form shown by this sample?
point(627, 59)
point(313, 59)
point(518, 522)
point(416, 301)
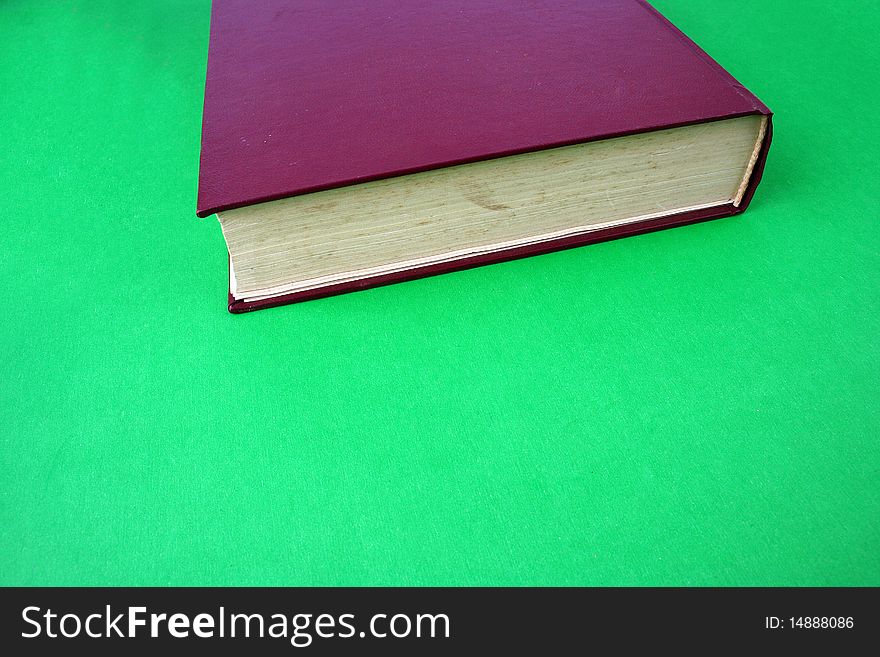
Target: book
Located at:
point(349, 144)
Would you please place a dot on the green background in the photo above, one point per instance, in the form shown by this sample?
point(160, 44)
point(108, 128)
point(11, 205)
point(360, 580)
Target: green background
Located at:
point(698, 406)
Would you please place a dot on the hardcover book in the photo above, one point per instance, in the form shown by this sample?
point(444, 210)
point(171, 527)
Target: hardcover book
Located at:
point(348, 144)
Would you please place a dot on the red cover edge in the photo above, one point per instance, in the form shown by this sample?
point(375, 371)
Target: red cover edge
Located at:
point(694, 216)
point(758, 109)
point(706, 57)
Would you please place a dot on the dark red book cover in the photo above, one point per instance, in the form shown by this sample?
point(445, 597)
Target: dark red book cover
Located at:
point(308, 95)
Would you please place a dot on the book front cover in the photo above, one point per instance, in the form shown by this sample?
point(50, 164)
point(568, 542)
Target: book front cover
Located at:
point(318, 94)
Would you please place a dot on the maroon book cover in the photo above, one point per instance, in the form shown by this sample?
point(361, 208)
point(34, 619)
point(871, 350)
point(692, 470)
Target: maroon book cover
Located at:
point(308, 95)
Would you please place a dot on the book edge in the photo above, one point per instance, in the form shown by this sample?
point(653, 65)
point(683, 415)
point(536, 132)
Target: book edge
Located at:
point(740, 89)
point(210, 210)
point(237, 306)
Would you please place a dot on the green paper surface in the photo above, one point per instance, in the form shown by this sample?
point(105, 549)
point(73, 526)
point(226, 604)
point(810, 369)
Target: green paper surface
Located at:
point(699, 406)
